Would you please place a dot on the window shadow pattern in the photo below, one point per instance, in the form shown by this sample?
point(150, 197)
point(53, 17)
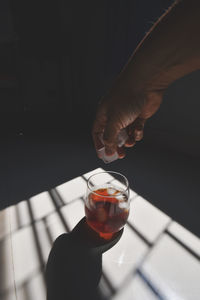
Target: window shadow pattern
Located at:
point(44, 235)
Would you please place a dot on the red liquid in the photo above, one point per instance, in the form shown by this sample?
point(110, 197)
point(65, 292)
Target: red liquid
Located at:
point(105, 215)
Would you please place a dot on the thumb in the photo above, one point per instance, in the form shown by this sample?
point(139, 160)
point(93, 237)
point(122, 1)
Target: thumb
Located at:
point(111, 132)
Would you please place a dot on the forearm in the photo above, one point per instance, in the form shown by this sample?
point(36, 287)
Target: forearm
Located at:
point(169, 51)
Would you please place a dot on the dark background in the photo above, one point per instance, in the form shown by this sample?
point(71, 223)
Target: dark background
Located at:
point(57, 58)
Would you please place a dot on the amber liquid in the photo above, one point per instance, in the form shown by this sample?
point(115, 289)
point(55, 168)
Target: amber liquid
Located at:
point(106, 215)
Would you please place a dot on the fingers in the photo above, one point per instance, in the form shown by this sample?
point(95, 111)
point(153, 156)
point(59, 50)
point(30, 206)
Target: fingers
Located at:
point(111, 132)
point(121, 152)
point(130, 142)
point(138, 134)
point(108, 124)
point(139, 128)
point(135, 132)
point(106, 129)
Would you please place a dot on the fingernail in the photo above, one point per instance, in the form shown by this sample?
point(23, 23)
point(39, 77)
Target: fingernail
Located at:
point(109, 151)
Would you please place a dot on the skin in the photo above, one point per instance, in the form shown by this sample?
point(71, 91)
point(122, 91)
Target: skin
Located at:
point(169, 51)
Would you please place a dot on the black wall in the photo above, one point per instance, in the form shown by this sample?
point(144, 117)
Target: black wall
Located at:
point(58, 57)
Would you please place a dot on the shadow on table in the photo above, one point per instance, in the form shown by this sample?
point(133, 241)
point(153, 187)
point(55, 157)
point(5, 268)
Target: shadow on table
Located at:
point(74, 266)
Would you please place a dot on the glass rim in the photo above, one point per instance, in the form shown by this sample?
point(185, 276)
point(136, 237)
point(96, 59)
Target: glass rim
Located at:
point(111, 172)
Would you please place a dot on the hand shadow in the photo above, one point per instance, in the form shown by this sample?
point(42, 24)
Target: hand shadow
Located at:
point(74, 266)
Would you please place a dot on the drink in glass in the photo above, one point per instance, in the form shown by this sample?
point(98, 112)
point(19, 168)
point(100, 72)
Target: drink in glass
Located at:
point(107, 205)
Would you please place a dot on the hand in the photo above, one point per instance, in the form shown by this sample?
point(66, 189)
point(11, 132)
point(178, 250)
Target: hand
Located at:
point(170, 50)
point(124, 108)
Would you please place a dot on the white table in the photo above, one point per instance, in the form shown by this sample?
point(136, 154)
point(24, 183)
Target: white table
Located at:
point(156, 258)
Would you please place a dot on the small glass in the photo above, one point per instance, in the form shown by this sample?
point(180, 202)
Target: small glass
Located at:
point(107, 205)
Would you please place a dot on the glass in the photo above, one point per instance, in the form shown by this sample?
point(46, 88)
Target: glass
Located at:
point(107, 205)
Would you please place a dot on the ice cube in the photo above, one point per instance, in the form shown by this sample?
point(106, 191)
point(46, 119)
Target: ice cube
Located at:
point(120, 197)
point(122, 137)
point(91, 202)
point(111, 190)
point(123, 205)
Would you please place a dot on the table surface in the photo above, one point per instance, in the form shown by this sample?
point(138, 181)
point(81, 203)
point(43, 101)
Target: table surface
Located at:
point(156, 258)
